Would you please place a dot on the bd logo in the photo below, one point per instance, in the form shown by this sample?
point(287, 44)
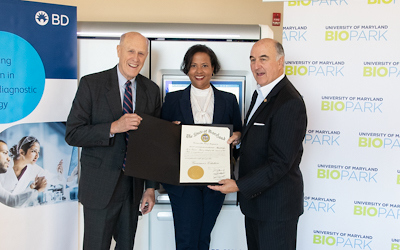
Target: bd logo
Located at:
point(42, 18)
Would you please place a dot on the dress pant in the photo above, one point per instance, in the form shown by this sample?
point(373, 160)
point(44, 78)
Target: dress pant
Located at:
point(195, 213)
point(118, 219)
point(271, 235)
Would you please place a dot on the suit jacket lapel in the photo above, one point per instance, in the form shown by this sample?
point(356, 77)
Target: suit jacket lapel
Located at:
point(185, 106)
point(113, 95)
point(141, 97)
point(264, 104)
point(258, 111)
point(219, 106)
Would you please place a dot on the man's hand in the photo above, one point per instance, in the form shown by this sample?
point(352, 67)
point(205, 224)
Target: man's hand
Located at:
point(234, 139)
point(125, 123)
point(148, 201)
point(227, 186)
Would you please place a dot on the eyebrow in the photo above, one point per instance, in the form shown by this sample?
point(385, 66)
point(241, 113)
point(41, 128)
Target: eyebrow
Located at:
point(262, 56)
point(200, 63)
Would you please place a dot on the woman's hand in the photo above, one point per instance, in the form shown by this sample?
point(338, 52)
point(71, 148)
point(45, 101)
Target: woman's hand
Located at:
point(39, 184)
point(60, 168)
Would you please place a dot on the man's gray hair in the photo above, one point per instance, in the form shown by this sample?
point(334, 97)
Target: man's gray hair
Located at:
point(279, 50)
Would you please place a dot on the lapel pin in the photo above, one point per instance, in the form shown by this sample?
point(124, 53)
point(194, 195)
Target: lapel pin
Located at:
point(265, 100)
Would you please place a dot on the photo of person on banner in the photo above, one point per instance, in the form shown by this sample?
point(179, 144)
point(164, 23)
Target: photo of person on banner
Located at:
point(17, 200)
point(25, 171)
point(24, 156)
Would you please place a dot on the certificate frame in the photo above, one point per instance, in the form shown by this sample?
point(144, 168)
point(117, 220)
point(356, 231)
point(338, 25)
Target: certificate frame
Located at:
point(153, 151)
point(204, 136)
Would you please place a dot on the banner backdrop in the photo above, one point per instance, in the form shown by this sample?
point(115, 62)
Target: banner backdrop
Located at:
point(38, 79)
point(343, 56)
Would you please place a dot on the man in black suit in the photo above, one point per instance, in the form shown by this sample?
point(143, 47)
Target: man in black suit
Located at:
point(97, 124)
point(270, 184)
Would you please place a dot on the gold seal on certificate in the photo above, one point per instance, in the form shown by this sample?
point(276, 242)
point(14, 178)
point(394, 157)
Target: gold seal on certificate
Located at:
point(195, 172)
point(205, 154)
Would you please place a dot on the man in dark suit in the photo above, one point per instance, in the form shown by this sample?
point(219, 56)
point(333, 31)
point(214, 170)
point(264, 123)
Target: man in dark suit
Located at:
point(98, 124)
point(270, 184)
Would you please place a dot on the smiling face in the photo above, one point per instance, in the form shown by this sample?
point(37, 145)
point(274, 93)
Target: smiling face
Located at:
point(4, 158)
point(263, 62)
point(132, 53)
point(32, 154)
point(201, 71)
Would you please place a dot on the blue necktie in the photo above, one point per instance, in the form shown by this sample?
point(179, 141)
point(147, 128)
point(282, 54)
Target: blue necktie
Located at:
point(127, 108)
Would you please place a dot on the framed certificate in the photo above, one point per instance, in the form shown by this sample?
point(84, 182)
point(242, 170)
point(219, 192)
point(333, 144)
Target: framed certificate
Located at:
point(179, 154)
point(205, 154)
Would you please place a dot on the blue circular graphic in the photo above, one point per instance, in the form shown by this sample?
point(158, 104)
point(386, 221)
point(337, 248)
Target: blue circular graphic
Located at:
point(22, 78)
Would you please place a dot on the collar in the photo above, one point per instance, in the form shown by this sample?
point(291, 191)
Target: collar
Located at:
point(265, 90)
point(200, 92)
point(122, 80)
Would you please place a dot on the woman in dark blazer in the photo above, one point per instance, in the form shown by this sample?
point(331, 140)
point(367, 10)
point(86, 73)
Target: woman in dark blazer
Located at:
point(196, 208)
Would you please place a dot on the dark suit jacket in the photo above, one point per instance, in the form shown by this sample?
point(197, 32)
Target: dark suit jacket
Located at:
point(270, 181)
point(96, 105)
point(177, 107)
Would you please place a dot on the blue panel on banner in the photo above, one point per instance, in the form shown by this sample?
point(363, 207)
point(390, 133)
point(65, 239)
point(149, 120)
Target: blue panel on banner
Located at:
point(22, 78)
point(50, 29)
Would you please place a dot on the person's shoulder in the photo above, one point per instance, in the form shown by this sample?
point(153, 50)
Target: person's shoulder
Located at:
point(173, 98)
point(227, 95)
point(148, 83)
point(175, 94)
point(99, 75)
point(171, 102)
point(291, 89)
point(4, 176)
point(288, 94)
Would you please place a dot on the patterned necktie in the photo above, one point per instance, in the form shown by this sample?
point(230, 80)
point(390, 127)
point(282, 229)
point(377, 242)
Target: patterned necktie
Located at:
point(127, 108)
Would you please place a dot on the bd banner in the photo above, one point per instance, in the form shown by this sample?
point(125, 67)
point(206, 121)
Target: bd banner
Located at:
point(38, 170)
point(346, 66)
